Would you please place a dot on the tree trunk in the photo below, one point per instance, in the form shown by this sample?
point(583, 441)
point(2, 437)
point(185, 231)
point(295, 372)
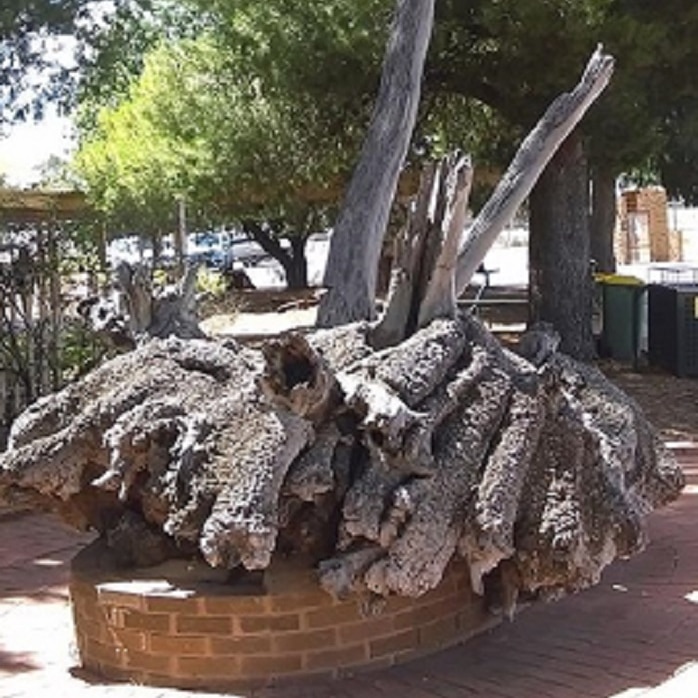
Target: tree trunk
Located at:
point(423, 277)
point(352, 266)
point(560, 284)
point(102, 246)
point(603, 218)
point(156, 242)
point(294, 262)
point(379, 465)
point(296, 267)
point(180, 238)
point(530, 160)
point(425, 281)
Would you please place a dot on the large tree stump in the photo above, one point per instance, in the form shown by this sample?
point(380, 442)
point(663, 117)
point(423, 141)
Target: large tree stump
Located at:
point(384, 464)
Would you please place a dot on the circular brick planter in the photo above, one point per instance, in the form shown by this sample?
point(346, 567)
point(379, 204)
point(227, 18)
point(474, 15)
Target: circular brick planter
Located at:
point(173, 626)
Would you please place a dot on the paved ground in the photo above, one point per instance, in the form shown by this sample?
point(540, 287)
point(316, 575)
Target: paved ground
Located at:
point(636, 634)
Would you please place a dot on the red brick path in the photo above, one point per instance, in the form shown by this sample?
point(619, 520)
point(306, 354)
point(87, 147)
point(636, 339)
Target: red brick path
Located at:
point(636, 634)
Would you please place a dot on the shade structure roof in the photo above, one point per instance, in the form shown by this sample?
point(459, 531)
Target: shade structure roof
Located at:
point(24, 206)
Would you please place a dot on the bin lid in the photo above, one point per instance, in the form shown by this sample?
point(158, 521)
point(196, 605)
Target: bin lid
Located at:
point(618, 280)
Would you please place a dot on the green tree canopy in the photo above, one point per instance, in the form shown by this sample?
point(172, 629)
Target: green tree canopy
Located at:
point(25, 31)
point(263, 105)
point(197, 125)
point(670, 83)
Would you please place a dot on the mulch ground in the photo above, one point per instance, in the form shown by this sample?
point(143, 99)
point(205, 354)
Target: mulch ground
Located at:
point(670, 403)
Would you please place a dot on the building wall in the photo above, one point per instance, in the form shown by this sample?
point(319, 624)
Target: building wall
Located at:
point(643, 233)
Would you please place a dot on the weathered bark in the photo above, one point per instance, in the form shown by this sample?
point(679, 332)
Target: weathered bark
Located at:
point(405, 272)
point(313, 473)
point(383, 459)
point(535, 152)
point(603, 218)
point(560, 280)
point(385, 464)
point(297, 379)
point(422, 286)
point(424, 264)
point(338, 576)
point(135, 286)
point(429, 269)
point(352, 266)
point(440, 295)
point(145, 314)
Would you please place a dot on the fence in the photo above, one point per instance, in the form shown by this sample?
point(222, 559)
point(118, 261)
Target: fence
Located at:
point(39, 344)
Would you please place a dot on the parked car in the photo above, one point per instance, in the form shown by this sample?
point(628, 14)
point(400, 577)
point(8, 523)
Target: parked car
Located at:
point(207, 249)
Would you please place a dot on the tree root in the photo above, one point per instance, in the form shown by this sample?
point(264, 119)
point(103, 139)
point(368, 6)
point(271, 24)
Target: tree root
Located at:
point(383, 465)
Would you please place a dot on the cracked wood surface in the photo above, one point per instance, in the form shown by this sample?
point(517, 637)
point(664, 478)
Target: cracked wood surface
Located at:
point(383, 465)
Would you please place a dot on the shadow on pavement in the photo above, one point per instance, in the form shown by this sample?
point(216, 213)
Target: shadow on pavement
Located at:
point(15, 662)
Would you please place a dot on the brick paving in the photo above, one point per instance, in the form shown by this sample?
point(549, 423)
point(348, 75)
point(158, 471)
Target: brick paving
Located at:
point(635, 635)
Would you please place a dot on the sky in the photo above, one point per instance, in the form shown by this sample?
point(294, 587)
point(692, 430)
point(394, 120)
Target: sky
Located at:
point(27, 146)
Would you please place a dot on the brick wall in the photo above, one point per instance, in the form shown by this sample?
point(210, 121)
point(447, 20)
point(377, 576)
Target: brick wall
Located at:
point(643, 233)
point(168, 632)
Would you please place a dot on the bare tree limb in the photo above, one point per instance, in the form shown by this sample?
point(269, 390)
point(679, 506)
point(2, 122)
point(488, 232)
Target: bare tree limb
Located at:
point(393, 324)
point(530, 160)
point(440, 298)
point(352, 266)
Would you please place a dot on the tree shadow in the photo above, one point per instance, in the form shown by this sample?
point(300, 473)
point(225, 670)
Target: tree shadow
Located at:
point(41, 585)
point(16, 662)
point(35, 555)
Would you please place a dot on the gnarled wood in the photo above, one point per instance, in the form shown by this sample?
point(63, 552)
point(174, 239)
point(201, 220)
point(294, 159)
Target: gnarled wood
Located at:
point(423, 275)
point(409, 245)
point(439, 298)
point(296, 378)
point(446, 445)
point(143, 313)
point(530, 160)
